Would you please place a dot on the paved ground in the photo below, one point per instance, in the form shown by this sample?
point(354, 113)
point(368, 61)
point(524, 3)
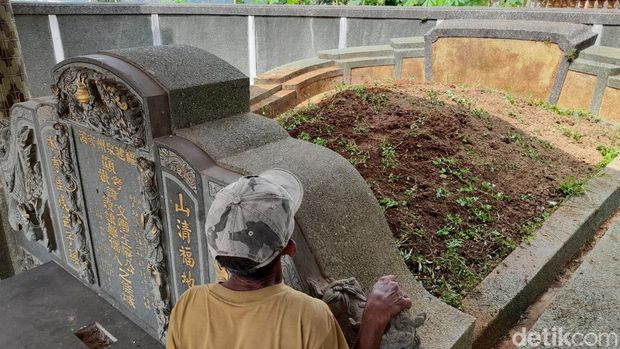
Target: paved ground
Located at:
point(588, 307)
point(42, 308)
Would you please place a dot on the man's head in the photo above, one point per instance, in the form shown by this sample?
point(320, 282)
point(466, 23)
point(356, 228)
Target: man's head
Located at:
point(251, 221)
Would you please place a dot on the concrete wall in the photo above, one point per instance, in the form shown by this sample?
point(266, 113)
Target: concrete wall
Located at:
point(253, 38)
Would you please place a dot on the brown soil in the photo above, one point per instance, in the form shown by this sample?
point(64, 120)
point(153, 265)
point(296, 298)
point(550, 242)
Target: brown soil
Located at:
point(465, 174)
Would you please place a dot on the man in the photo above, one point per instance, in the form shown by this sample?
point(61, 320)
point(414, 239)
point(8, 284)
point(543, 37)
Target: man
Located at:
point(249, 228)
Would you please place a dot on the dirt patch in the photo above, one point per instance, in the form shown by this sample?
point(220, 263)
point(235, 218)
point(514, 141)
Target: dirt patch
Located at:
point(464, 174)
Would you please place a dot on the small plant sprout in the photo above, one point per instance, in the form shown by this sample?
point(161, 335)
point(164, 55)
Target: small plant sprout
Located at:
point(528, 197)
point(467, 201)
point(454, 244)
point(572, 55)
point(482, 213)
point(509, 97)
point(388, 203)
point(460, 100)
point(432, 96)
point(441, 192)
point(388, 154)
point(361, 128)
point(571, 133)
point(357, 156)
point(572, 187)
point(453, 222)
point(392, 178)
point(305, 136)
point(320, 141)
point(608, 153)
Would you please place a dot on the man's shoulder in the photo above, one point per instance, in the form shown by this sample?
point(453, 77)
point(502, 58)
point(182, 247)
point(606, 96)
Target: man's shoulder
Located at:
point(193, 294)
point(308, 303)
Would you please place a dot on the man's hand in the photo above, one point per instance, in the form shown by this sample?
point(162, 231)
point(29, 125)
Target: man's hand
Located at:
point(384, 301)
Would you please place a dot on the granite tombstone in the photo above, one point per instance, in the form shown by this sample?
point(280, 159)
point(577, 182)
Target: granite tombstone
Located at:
point(112, 177)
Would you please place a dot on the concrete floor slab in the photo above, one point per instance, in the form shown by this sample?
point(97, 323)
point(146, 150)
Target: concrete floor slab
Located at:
point(590, 301)
point(43, 307)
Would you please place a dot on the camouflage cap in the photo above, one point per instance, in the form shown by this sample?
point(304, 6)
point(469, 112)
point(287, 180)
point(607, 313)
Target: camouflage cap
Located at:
point(253, 217)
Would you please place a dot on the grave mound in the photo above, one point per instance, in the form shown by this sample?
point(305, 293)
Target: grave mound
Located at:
point(465, 175)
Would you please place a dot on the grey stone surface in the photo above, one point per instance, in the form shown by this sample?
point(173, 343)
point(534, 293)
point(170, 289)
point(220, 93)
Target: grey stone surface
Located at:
point(586, 66)
point(540, 14)
point(614, 81)
point(291, 70)
point(7, 240)
point(363, 31)
point(365, 62)
point(589, 302)
point(201, 86)
point(566, 35)
point(281, 40)
point(603, 54)
point(234, 135)
point(225, 37)
point(499, 300)
point(417, 52)
point(36, 42)
point(43, 307)
point(347, 240)
point(90, 33)
point(261, 92)
point(407, 42)
point(357, 52)
point(611, 36)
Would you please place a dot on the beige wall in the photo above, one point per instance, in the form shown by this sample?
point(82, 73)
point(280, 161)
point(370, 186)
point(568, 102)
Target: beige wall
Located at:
point(577, 91)
point(526, 68)
point(610, 107)
point(413, 68)
point(378, 73)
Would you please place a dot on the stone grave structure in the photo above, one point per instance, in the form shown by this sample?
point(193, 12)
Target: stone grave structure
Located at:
point(112, 177)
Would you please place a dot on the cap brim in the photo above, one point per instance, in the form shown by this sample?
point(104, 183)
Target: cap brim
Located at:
point(289, 182)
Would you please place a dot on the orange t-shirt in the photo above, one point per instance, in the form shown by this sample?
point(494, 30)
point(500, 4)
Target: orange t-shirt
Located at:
point(214, 317)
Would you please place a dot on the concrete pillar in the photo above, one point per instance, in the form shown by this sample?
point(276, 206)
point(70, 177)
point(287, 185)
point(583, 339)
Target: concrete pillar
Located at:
point(13, 90)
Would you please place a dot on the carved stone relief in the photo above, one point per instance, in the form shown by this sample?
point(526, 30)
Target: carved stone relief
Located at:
point(25, 260)
point(179, 166)
point(27, 199)
point(67, 183)
point(291, 275)
point(96, 100)
point(153, 230)
point(347, 300)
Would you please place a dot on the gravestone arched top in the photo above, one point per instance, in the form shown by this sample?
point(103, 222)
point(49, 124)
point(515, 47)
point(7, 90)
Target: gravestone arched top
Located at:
point(179, 86)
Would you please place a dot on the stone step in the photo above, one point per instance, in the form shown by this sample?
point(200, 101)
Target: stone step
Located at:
point(365, 62)
point(603, 54)
point(614, 81)
point(262, 91)
point(408, 43)
point(357, 52)
point(311, 77)
point(587, 66)
point(291, 70)
point(276, 104)
point(590, 300)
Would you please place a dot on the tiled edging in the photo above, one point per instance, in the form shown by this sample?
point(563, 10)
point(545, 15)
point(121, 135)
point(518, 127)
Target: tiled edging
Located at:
point(500, 299)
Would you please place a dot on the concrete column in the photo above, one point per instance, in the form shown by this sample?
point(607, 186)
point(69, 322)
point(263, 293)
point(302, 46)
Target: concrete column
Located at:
point(13, 89)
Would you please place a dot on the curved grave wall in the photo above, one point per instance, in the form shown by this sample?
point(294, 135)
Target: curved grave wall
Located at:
point(548, 61)
point(253, 38)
